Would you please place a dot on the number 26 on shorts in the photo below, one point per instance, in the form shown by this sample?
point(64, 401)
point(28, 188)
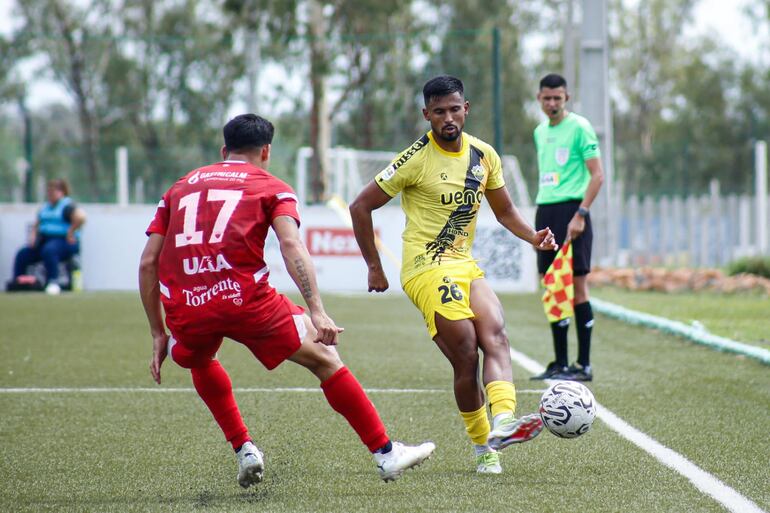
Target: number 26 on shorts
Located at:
point(450, 292)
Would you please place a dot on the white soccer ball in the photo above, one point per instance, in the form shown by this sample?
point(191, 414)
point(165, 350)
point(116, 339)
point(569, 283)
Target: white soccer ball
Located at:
point(568, 409)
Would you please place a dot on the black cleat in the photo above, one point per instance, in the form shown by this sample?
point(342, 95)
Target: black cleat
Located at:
point(576, 372)
point(551, 370)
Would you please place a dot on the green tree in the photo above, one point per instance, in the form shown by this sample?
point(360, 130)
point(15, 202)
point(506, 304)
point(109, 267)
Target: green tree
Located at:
point(466, 51)
point(172, 78)
point(76, 43)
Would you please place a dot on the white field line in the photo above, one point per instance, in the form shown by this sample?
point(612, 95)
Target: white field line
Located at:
point(110, 390)
point(702, 480)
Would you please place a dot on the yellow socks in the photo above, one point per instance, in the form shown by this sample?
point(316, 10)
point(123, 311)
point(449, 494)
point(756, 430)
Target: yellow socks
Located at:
point(502, 400)
point(477, 425)
point(502, 397)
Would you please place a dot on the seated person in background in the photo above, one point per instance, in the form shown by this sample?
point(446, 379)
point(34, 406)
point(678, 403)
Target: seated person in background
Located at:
point(55, 236)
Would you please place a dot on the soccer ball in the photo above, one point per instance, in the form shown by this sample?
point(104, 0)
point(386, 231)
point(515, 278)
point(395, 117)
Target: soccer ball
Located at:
point(568, 409)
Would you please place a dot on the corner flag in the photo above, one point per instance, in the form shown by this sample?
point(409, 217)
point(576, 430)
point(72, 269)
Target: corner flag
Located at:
point(559, 295)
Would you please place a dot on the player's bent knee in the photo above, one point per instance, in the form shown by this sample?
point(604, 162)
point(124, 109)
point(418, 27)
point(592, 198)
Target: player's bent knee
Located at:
point(327, 359)
point(321, 360)
point(187, 359)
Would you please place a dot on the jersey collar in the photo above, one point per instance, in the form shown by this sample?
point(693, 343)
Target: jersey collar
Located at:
point(450, 153)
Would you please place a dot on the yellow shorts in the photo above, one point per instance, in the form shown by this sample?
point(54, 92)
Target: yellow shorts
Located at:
point(445, 290)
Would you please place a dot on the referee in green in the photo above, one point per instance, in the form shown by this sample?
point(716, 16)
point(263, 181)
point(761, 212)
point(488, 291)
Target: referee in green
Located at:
point(570, 176)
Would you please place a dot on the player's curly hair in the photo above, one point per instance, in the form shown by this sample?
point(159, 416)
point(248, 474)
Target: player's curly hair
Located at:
point(442, 85)
point(247, 132)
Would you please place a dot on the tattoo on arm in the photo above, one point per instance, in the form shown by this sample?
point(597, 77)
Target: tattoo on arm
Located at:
point(304, 279)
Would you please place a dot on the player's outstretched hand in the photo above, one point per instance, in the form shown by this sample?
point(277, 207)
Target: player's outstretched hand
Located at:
point(326, 330)
point(544, 240)
point(159, 351)
point(378, 282)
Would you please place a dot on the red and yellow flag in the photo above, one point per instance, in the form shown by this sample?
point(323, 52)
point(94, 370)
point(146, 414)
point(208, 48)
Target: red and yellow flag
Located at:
point(559, 295)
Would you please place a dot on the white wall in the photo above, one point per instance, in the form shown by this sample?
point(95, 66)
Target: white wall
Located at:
point(113, 238)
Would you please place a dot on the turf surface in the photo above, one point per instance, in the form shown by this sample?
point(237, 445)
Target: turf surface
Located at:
point(136, 450)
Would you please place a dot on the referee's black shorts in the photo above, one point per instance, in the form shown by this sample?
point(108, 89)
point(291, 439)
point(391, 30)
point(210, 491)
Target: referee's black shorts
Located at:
point(557, 216)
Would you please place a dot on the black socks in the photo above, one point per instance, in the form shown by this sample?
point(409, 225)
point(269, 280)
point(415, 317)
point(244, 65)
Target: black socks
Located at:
point(559, 331)
point(584, 321)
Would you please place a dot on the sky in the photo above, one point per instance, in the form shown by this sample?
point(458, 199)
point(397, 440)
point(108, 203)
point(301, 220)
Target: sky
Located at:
point(724, 17)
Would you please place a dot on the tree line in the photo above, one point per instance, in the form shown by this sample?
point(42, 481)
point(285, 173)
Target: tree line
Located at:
point(162, 76)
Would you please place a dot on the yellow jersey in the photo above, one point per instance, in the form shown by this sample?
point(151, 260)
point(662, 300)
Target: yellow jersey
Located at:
point(441, 193)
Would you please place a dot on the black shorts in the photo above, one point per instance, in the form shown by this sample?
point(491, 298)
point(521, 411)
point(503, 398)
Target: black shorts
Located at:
point(557, 216)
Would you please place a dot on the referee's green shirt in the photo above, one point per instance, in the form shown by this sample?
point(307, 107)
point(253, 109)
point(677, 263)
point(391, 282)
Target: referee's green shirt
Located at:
point(561, 154)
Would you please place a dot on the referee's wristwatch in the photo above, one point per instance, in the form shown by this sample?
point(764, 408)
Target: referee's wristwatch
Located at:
point(582, 212)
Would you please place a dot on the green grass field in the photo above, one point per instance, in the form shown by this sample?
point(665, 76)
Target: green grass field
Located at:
point(735, 316)
point(92, 450)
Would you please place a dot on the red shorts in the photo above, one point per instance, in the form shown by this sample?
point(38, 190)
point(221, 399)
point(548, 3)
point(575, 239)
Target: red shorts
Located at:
point(272, 332)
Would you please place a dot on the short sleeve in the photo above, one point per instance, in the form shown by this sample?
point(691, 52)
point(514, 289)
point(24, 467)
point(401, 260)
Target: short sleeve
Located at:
point(283, 202)
point(159, 223)
point(67, 213)
point(405, 170)
point(589, 143)
point(495, 180)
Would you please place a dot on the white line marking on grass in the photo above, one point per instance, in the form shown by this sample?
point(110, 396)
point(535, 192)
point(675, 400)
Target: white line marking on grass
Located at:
point(110, 390)
point(702, 480)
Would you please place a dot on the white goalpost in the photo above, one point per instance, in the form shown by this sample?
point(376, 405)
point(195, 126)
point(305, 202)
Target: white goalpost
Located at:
point(352, 169)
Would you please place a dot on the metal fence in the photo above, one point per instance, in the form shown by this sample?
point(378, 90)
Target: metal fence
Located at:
point(707, 230)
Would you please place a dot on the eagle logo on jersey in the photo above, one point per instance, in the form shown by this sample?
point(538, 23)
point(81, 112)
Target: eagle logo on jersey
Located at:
point(463, 215)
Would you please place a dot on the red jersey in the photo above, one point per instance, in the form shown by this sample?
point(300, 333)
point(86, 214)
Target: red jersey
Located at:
point(215, 221)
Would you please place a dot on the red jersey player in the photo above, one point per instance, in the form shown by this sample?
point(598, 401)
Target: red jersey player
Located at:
point(204, 262)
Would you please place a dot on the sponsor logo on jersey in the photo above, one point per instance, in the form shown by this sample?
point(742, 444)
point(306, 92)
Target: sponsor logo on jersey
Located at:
point(549, 180)
point(227, 289)
point(205, 264)
point(462, 216)
point(464, 197)
point(214, 175)
point(414, 148)
point(331, 242)
point(387, 173)
point(562, 156)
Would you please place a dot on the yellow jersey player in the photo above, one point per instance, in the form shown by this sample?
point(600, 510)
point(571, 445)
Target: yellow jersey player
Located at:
point(442, 179)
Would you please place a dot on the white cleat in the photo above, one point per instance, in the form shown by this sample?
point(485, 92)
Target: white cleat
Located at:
point(489, 463)
point(402, 457)
point(251, 466)
point(510, 430)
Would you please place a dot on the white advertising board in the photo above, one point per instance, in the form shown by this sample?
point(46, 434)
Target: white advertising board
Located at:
point(113, 238)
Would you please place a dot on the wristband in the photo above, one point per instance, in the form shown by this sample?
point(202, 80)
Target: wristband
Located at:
point(582, 212)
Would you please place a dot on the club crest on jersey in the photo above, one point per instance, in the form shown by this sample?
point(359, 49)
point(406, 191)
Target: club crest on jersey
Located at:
point(478, 172)
point(205, 264)
point(562, 156)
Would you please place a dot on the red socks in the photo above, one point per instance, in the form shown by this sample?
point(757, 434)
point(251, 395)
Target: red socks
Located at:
point(342, 390)
point(346, 397)
point(215, 388)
